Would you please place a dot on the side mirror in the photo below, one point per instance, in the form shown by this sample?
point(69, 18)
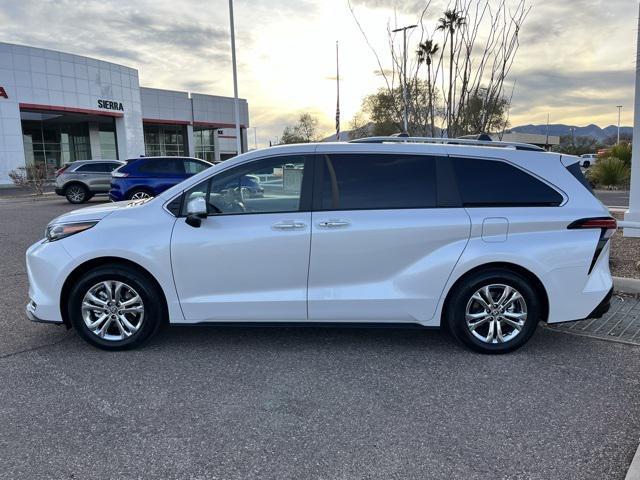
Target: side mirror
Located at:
point(196, 211)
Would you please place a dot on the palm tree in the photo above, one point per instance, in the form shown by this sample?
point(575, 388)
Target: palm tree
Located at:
point(426, 52)
point(449, 23)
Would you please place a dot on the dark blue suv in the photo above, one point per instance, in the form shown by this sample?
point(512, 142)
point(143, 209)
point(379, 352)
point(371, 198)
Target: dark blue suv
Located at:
point(146, 177)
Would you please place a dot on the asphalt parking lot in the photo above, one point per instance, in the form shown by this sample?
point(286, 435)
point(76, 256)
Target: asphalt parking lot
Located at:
point(264, 403)
point(614, 198)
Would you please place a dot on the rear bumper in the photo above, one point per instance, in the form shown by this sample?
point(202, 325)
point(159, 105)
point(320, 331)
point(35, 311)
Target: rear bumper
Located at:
point(116, 195)
point(603, 307)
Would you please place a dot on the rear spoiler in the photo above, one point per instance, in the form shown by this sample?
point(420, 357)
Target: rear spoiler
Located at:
point(569, 159)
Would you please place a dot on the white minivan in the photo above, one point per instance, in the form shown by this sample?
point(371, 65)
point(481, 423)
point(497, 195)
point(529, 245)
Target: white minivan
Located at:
point(486, 239)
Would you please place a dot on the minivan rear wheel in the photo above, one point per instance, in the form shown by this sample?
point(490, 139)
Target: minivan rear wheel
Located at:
point(116, 307)
point(76, 193)
point(494, 311)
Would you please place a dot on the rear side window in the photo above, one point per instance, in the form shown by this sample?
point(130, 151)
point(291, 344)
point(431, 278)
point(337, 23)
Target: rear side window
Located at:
point(493, 183)
point(164, 166)
point(192, 166)
point(574, 169)
point(98, 167)
point(369, 181)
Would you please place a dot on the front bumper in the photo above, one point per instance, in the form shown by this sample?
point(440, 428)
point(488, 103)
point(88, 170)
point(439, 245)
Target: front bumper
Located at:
point(48, 265)
point(30, 310)
point(59, 191)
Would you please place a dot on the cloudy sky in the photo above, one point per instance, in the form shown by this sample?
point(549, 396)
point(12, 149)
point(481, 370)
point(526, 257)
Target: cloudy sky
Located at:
point(576, 60)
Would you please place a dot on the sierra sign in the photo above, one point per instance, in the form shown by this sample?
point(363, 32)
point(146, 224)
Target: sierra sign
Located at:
point(3, 93)
point(109, 105)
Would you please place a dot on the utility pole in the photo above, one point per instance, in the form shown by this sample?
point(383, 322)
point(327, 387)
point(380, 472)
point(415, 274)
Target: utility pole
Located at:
point(405, 95)
point(546, 143)
point(236, 103)
point(619, 107)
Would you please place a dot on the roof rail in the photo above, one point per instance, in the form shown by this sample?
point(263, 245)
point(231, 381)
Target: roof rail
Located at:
point(450, 141)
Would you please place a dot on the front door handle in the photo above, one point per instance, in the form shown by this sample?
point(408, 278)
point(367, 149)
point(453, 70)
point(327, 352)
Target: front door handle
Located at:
point(288, 225)
point(334, 223)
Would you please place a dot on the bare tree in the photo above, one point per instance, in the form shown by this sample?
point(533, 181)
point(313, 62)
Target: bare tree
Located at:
point(304, 131)
point(465, 71)
point(34, 176)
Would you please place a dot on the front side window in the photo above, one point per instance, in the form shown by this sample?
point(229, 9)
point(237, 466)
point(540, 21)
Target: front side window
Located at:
point(378, 181)
point(493, 183)
point(272, 185)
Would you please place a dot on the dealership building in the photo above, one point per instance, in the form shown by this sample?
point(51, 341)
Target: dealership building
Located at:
point(57, 107)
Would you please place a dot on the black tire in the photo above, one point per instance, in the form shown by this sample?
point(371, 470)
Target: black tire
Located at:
point(76, 193)
point(461, 297)
point(152, 301)
point(132, 193)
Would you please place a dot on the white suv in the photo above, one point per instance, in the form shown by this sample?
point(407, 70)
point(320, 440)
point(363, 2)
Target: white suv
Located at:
point(484, 238)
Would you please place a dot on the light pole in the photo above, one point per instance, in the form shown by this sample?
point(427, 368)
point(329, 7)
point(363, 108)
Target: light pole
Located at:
point(573, 136)
point(236, 103)
point(404, 68)
point(619, 107)
point(255, 137)
point(633, 214)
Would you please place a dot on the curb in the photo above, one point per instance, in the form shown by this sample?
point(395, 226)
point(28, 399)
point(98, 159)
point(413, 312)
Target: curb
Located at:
point(634, 469)
point(626, 285)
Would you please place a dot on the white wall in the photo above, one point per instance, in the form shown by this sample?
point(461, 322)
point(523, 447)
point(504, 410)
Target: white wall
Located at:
point(55, 79)
point(45, 77)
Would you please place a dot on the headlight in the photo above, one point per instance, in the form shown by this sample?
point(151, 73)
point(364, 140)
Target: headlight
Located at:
point(61, 230)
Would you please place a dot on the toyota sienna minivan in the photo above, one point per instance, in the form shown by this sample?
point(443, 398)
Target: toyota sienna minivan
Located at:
point(486, 239)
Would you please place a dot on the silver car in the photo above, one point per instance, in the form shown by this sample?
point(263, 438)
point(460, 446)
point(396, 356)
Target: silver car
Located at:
point(81, 180)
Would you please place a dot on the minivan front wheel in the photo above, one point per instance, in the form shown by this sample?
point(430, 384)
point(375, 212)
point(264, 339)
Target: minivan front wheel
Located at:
point(494, 311)
point(115, 307)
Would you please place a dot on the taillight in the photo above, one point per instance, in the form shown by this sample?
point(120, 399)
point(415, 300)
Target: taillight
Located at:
point(607, 226)
point(61, 170)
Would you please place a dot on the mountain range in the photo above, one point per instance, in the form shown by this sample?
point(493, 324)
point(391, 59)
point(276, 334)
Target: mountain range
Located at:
point(561, 129)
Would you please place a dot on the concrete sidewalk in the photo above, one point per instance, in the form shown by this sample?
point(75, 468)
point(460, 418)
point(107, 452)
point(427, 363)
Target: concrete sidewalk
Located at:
point(19, 192)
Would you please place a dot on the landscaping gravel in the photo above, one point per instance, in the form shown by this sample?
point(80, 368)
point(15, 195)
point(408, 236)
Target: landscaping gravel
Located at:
point(625, 254)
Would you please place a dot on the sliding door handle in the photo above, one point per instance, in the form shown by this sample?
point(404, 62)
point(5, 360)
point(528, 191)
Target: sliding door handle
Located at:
point(334, 223)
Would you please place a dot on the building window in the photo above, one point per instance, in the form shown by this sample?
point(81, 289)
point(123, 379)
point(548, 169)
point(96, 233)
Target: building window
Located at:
point(204, 141)
point(54, 137)
point(108, 142)
point(165, 140)
point(55, 142)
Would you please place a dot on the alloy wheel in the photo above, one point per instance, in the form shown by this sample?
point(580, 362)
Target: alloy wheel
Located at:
point(140, 196)
point(112, 310)
point(496, 313)
point(75, 194)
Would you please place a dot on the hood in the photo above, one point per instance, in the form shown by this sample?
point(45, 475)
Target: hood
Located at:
point(96, 212)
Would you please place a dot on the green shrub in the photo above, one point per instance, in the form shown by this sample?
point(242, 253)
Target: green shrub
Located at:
point(621, 151)
point(610, 172)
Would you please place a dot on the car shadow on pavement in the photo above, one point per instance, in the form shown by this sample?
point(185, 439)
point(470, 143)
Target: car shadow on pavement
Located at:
point(302, 337)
